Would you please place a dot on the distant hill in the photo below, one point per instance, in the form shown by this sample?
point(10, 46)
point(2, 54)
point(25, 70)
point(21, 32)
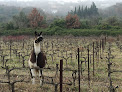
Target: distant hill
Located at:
point(7, 12)
point(114, 10)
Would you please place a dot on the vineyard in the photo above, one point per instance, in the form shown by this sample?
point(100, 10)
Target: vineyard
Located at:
point(90, 64)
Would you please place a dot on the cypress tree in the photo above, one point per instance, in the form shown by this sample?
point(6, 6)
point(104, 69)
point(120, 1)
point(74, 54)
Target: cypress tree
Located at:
point(86, 12)
point(82, 12)
point(79, 12)
point(75, 11)
point(94, 10)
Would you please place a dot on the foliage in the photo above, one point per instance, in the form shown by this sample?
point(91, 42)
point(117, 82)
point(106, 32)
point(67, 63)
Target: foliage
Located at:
point(115, 27)
point(84, 19)
point(59, 23)
point(61, 31)
point(10, 26)
point(104, 26)
point(6, 12)
point(86, 12)
point(35, 18)
point(95, 20)
point(3, 18)
point(114, 10)
point(20, 21)
point(113, 21)
point(86, 24)
point(94, 32)
point(56, 30)
point(72, 21)
point(109, 23)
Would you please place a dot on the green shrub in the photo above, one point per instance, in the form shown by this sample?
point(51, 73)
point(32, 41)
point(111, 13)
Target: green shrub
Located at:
point(115, 27)
point(59, 22)
point(63, 32)
point(9, 26)
point(85, 25)
point(55, 30)
point(103, 26)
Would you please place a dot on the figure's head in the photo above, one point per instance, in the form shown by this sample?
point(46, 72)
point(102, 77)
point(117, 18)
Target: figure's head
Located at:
point(38, 37)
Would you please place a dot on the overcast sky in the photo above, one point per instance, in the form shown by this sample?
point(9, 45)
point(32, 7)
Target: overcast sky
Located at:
point(52, 0)
point(55, 0)
point(65, 0)
point(104, 3)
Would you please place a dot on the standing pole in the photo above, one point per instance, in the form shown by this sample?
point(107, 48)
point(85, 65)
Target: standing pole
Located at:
point(105, 40)
point(10, 48)
point(88, 66)
point(61, 74)
point(93, 58)
point(79, 69)
point(103, 44)
point(100, 48)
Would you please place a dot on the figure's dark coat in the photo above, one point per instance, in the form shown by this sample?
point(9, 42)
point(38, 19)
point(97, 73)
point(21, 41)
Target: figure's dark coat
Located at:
point(41, 59)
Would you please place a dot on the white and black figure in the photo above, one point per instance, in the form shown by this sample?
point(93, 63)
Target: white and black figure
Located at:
point(37, 58)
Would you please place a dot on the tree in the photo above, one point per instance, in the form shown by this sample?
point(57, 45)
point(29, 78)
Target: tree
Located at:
point(35, 19)
point(86, 12)
point(20, 21)
point(59, 22)
point(72, 21)
point(94, 9)
point(113, 21)
point(79, 11)
point(75, 11)
point(82, 12)
point(9, 26)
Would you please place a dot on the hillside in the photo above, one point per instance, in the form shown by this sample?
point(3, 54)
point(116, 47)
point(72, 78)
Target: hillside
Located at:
point(114, 10)
point(57, 9)
point(7, 12)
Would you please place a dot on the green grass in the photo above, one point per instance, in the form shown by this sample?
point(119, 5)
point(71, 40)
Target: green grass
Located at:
point(63, 32)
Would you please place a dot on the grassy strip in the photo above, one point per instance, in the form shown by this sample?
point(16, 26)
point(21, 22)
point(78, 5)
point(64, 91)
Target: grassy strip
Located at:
point(18, 32)
point(63, 32)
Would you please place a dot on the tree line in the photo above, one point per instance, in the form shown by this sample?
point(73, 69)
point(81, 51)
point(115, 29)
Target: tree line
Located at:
point(33, 19)
point(78, 19)
point(84, 12)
